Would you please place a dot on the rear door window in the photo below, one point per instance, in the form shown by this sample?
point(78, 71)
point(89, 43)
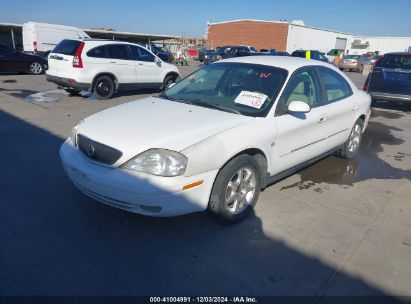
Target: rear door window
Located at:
point(117, 51)
point(336, 87)
point(67, 47)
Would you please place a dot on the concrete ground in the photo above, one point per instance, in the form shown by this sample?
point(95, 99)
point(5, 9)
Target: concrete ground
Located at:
point(339, 227)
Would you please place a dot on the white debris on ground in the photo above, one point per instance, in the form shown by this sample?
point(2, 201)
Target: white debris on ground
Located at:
point(44, 96)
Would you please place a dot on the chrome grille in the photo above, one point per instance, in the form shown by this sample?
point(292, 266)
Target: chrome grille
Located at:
point(97, 151)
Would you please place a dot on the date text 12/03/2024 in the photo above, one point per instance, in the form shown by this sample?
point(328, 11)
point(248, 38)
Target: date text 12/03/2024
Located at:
point(203, 300)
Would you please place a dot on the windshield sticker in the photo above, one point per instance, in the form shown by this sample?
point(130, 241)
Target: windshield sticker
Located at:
point(251, 99)
point(263, 75)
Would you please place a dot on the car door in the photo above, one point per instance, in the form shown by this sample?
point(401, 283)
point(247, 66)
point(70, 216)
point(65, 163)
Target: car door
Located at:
point(148, 70)
point(301, 136)
point(121, 64)
point(340, 106)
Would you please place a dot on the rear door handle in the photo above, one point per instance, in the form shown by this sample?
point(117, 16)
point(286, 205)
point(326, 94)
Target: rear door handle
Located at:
point(140, 63)
point(355, 107)
point(323, 118)
point(113, 61)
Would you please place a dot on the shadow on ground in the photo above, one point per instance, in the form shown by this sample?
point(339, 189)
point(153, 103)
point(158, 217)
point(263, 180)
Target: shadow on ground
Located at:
point(56, 241)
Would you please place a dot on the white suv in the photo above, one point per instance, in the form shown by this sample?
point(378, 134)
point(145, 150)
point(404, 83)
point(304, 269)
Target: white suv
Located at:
point(104, 66)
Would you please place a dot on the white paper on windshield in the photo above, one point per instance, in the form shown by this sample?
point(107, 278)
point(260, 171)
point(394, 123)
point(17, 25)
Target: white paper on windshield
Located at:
point(251, 99)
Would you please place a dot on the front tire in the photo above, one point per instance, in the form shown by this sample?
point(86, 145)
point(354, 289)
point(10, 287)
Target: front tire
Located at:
point(169, 80)
point(36, 68)
point(236, 189)
point(103, 88)
point(352, 145)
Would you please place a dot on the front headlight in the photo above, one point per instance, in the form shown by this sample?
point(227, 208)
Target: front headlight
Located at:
point(158, 162)
point(73, 133)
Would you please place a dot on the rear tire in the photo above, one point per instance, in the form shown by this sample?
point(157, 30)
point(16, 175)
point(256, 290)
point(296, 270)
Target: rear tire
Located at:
point(103, 87)
point(236, 189)
point(36, 68)
point(352, 145)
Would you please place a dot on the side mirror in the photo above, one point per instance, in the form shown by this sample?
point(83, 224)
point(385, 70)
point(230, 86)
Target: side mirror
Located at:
point(157, 61)
point(298, 107)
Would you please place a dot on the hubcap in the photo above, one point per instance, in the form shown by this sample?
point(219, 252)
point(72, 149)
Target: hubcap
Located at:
point(103, 88)
point(355, 138)
point(35, 68)
point(240, 190)
point(168, 83)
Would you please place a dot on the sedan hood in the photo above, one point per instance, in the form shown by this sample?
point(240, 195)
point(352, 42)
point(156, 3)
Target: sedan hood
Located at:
point(152, 122)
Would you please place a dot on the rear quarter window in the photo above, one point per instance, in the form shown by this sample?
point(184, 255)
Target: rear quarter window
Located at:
point(97, 52)
point(67, 47)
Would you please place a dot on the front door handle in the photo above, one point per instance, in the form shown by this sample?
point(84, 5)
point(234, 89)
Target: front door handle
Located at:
point(323, 118)
point(140, 63)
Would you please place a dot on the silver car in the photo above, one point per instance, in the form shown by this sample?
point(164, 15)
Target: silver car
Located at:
point(353, 62)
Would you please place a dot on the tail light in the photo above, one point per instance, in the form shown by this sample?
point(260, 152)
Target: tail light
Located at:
point(35, 46)
point(365, 88)
point(77, 61)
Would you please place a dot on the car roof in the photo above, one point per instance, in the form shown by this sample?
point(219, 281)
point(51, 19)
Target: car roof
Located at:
point(284, 62)
point(398, 53)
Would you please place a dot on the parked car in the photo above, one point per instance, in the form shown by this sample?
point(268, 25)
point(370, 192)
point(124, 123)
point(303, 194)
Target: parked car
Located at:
point(390, 79)
point(41, 38)
point(218, 54)
point(353, 62)
point(218, 137)
point(203, 53)
point(269, 51)
point(283, 54)
point(310, 54)
point(163, 54)
point(12, 61)
point(104, 66)
point(237, 51)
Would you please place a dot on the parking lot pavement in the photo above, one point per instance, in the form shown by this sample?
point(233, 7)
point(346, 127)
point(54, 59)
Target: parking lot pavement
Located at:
point(339, 227)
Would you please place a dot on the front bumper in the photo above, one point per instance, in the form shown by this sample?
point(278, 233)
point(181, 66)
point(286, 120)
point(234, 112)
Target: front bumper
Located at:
point(133, 191)
point(67, 82)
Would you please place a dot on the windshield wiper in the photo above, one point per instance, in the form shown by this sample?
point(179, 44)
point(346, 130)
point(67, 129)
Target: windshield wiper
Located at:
point(215, 106)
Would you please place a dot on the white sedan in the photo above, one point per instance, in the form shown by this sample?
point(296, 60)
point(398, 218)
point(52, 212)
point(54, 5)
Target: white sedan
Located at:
point(218, 137)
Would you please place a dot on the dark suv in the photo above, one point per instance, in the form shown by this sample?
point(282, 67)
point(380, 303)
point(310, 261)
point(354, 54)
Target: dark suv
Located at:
point(390, 78)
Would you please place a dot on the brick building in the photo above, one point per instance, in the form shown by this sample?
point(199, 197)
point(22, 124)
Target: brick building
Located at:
point(260, 34)
point(285, 36)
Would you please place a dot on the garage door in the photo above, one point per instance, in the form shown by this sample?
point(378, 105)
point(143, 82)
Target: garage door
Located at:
point(340, 43)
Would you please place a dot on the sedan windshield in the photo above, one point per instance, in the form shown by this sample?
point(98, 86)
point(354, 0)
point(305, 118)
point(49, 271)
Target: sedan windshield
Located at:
point(247, 89)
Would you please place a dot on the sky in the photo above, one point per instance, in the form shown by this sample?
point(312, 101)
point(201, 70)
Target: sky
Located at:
point(189, 18)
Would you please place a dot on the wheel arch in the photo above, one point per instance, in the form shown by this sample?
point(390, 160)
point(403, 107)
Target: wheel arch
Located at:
point(111, 75)
point(262, 161)
point(172, 73)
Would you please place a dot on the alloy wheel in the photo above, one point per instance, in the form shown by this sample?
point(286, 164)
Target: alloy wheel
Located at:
point(36, 68)
point(240, 190)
